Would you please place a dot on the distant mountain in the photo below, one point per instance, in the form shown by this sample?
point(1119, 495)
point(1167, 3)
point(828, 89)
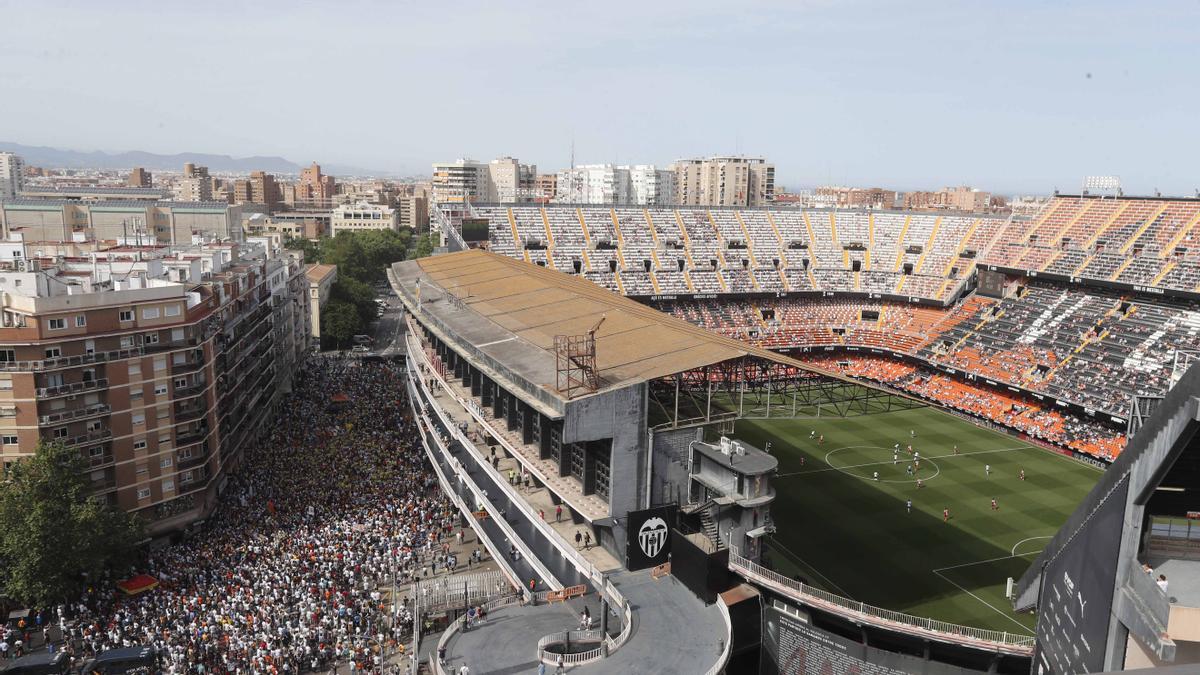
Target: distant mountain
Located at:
point(73, 159)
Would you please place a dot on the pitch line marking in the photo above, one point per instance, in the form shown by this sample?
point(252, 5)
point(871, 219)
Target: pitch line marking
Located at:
point(775, 542)
point(858, 466)
point(980, 562)
point(1024, 628)
point(841, 469)
point(1014, 548)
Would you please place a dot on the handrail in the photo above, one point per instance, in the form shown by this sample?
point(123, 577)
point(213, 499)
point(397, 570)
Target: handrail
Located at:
point(457, 625)
point(1012, 643)
point(576, 659)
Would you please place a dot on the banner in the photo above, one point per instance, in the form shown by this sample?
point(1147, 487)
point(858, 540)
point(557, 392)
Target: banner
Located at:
point(649, 537)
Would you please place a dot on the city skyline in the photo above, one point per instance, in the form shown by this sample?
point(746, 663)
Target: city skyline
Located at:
point(1013, 98)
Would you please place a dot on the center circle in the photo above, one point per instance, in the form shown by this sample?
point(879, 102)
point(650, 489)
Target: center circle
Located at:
point(871, 466)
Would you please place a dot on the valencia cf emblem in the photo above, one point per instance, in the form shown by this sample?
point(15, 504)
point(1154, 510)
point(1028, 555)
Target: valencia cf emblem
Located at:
point(652, 536)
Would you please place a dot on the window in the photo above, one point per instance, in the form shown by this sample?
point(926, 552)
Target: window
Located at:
point(151, 338)
point(135, 394)
point(126, 315)
point(5, 384)
point(126, 342)
point(163, 412)
point(180, 383)
point(143, 468)
point(96, 451)
point(139, 445)
point(53, 352)
point(143, 493)
point(80, 321)
point(135, 368)
point(160, 389)
point(8, 411)
point(171, 310)
point(94, 425)
point(60, 432)
point(186, 453)
point(160, 363)
point(7, 355)
point(177, 335)
point(149, 313)
point(139, 418)
point(168, 485)
point(165, 462)
point(9, 440)
point(56, 324)
point(185, 477)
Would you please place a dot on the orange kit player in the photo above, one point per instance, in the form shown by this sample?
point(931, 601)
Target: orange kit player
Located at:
point(945, 515)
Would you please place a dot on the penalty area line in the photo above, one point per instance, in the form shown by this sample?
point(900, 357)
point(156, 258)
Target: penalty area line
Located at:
point(1023, 627)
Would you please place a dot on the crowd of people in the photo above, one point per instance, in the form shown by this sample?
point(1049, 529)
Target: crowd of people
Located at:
point(293, 570)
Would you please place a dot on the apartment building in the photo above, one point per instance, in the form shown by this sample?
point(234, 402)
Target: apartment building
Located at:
point(195, 185)
point(610, 184)
point(260, 188)
point(140, 178)
point(12, 175)
point(724, 181)
point(961, 198)
point(413, 212)
point(314, 188)
point(650, 185)
point(363, 216)
point(856, 198)
point(503, 180)
point(158, 364)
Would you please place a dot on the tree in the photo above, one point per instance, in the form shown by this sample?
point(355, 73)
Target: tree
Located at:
point(357, 294)
point(424, 247)
point(308, 246)
point(339, 322)
point(346, 251)
point(55, 537)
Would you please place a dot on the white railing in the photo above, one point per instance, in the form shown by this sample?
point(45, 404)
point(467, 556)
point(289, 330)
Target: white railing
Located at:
point(1011, 643)
point(582, 564)
point(574, 659)
point(456, 625)
point(723, 659)
point(493, 512)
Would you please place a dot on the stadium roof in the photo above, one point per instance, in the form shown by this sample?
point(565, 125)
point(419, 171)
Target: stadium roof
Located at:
point(511, 310)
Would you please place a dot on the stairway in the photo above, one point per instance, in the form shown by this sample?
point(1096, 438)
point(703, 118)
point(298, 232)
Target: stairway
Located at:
point(710, 529)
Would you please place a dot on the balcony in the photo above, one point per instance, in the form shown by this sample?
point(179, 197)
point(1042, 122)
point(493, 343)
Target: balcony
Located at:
point(90, 437)
point(164, 346)
point(76, 414)
point(97, 461)
point(72, 388)
point(190, 364)
point(189, 437)
point(70, 361)
point(190, 462)
point(187, 413)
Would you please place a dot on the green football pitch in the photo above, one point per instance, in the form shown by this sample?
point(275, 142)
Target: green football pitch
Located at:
point(840, 528)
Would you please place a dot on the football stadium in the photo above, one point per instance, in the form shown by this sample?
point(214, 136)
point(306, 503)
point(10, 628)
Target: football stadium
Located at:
point(836, 440)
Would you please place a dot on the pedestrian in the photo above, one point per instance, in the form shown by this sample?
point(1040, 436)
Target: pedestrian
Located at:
point(558, 513)
point(587, 539)
point(578, 538)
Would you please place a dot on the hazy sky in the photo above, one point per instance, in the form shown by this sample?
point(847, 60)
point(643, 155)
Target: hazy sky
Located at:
point(1008, 96)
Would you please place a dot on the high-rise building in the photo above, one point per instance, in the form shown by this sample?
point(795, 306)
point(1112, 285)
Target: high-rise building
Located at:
point(158, 365)
point(594, 184)
point(154, 221)
point(260, 188)
point(414, 212)
point(609, 184)
point(315, 188)
point(545, 187)
point(651, 185)
point(140, 178)
point(195, 185)
point(12, 175)
point(962, 198)
point(503, 180)
point(724, 181)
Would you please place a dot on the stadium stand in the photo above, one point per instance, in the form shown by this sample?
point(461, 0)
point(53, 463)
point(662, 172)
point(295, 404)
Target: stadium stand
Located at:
point(1099, 293)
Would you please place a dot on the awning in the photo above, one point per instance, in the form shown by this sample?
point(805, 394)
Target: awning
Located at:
point(138, 584)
